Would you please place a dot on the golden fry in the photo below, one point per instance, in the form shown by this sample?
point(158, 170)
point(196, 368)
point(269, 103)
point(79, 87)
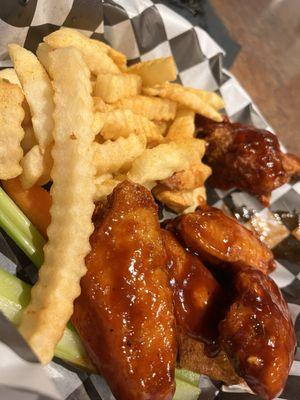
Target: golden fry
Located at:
point(155, 71)
point(183, 126)
point(185, 98)
point(38, 91)
point(36, 167)
point(72, 192)
point(112, 88)
point(122, 123)
point(164, 160)
point(11, 131)
point(149, 107)
point(110, 157)
point(97, 60)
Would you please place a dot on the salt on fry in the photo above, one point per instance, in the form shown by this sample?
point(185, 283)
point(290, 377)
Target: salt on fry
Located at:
point(183, 126)
point(38, 91)
point(164, 160)
point(36, 167)
point(122, 123)
point(51, 304)
point(155, 71)
point(185, 98)
point(181, 201)
point(96, 59)
point(110, 157)
point(11, 131)
point(149, 107)
point(113, 87)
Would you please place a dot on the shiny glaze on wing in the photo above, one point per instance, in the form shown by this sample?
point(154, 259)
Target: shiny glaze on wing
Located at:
point(258, 334)
point(245, 157)
point(219, 238)
point(124, 315)
point(199, 301)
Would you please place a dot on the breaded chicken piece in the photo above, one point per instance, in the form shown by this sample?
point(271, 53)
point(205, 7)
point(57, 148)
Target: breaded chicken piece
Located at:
point(220, 239)
point(124, 314)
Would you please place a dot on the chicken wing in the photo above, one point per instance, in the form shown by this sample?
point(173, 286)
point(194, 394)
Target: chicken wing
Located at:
point(258, 335)
point(199, 304)
point(124, 314)
point(219, 238)
point(245, 157)
point(199, 301)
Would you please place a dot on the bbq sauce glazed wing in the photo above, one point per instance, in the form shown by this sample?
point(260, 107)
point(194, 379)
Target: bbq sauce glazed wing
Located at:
point(219, 238)
point(258, 334)
point(199, 300)
point(199, 304)
point(124, 314)
point(245, 157)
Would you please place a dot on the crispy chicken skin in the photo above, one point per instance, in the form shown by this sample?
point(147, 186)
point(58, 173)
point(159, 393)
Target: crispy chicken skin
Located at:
point(258, 334)
point(220, 239)
point(124, 314)
point(245, 157)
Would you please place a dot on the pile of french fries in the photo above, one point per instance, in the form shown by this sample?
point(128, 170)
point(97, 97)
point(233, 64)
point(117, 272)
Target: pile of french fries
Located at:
point(76, 115)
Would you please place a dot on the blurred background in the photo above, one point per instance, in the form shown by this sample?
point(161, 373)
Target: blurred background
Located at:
point(262, 41)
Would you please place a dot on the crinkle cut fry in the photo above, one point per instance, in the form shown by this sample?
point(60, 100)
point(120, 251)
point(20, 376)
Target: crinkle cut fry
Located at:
point(51, 304)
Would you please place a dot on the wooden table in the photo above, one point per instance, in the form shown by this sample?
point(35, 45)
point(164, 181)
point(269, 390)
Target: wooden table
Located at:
point(268, 65)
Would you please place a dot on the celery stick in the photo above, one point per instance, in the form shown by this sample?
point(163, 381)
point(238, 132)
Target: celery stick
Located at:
point(20, 229)
point(14, 297)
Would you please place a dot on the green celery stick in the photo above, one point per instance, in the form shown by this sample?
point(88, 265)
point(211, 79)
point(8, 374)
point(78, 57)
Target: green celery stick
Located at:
point(14, 297)
point(20, 229)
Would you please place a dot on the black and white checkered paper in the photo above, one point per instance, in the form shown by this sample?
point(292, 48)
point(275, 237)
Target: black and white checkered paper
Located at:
point(143, 30)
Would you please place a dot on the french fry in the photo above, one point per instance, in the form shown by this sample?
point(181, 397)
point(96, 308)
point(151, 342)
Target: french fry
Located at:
point(96, 59)
point(181, 201)
point(42, 54)
point(105, 184)
point(118, 57)
point(162, 126)
point(36, 167)
point(112, 88)
point(155, 72)
point(11, 131)
point(164, 160)
point(183, 126)
point(213, 99)
point(149, 107)
point(51, 305)
point(111, 157)
point(185, 98)
point(122, 123)
point(38, 91)
point(98, 123)
point(29, 139)
point(10, 75)
point(189, 179)
point(100, 106)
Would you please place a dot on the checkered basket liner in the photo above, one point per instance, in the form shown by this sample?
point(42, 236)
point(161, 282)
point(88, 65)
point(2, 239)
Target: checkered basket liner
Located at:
point(144, 29)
